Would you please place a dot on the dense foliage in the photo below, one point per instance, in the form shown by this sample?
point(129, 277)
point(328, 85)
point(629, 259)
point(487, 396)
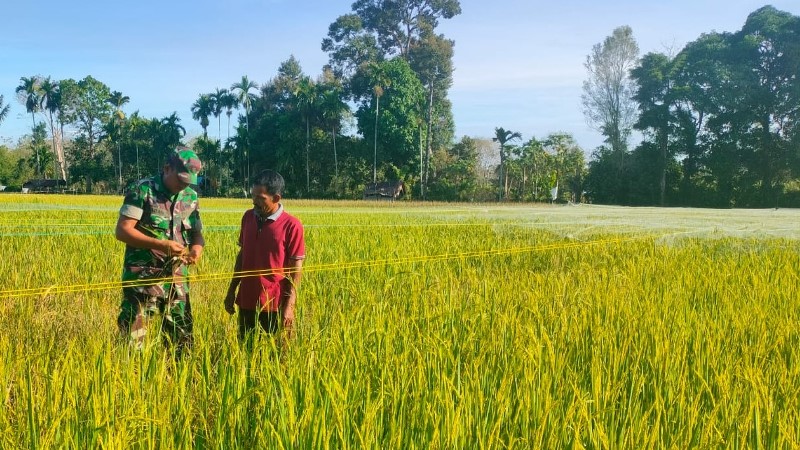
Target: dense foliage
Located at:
point(719, 121)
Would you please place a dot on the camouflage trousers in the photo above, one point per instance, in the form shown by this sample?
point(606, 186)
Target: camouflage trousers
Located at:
point(136, 313)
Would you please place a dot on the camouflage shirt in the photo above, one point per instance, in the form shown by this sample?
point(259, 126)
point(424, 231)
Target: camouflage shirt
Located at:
point(161, 215)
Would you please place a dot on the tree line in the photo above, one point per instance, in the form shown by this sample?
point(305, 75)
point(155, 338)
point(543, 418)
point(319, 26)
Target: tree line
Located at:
point(718, 120)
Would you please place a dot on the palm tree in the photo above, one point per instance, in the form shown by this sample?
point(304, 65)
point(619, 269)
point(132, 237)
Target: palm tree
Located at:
point(3, 110)
point(201, 110)
point(50, 101)
point(503, 136)
point(242, 91)
point(135, 126)
point(28, 94)
point(380, 81)
point(118, 101)
point(307, 97)
point(333, 109)
point(170, 132)
point(229, 102)
point(217, 102)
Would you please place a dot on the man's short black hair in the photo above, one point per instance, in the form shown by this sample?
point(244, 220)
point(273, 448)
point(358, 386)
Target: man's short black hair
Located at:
point(271, 181)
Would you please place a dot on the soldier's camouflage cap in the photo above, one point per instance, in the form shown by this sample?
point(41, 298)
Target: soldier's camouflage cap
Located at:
point(186, 163)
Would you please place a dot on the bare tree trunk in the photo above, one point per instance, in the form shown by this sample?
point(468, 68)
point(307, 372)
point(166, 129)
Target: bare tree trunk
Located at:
point(375, 156)
point(60, 146)
point(502, 171)
point(38, 163)
point(308, 170)
point(422, 190)
point(55, 151)
point(335, 158)
point(663, 144)
point(428, 136)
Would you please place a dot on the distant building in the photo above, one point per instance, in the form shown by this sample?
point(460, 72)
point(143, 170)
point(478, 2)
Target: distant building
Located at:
point(387, 190)
point(44, 185)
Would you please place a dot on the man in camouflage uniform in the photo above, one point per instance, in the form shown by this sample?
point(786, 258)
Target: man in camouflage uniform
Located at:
point(160, 224)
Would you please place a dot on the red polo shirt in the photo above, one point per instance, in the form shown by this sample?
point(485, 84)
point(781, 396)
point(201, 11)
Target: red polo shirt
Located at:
point(276, 244)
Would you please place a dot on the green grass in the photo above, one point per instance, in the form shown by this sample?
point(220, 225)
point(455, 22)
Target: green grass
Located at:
point(639, 337)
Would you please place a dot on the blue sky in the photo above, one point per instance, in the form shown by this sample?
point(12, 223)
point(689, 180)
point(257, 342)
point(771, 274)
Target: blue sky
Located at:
point(518, 64)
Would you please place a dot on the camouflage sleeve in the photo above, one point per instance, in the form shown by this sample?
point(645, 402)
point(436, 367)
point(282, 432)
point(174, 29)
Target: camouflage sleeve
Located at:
point(133, 205)
point(194, 220)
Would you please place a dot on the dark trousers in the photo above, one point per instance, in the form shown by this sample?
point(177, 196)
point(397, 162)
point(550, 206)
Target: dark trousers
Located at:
point(176, 319)
point(250, 321)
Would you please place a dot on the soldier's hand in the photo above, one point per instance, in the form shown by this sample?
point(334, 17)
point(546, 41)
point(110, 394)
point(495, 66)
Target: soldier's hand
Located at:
point(172, 248)
point(193, 255)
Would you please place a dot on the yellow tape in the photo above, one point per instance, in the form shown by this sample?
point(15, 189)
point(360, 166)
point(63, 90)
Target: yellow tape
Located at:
point(55, 289)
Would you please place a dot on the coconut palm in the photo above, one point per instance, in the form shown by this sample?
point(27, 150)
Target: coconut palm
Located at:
point(229, 102)
point(245, 98)
point(50, 101)
point(502, 136)
point(3, 109)
point(307, 99)
point(333, 109)
point(217, 101)
point(28, 94)
point(380, 81)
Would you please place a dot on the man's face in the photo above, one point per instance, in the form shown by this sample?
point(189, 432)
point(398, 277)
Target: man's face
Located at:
point(171, 180)
point(263, 201)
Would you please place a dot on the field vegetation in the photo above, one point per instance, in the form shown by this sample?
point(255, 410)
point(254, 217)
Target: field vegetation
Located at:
point(420, 326)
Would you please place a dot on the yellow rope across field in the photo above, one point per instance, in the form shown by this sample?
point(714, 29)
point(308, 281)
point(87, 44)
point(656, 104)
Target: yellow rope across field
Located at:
point(62, 289)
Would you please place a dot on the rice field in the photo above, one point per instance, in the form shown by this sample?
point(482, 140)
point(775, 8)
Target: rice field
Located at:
point(447, 326)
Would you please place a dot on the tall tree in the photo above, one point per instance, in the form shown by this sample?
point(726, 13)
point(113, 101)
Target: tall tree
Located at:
point(432, 62)
point(569, 165)
point(398, 24)
point(333, 110)
point(242, 89)
point(28, 93)
point(654, 80)
point(766, 63)
point(350, 46)
point(138, 138)
point(608, 102)
point(202, 109)
point(68, 93)
point(502, 137)
point(217, 104)
point(40, 158)
point(307, 98)
point(117, 100)
point(51, 102)
point(88, 109)
point(171, 132)
point(381, 30)
point(701, 72)
point(390, 97)
point(228, 101)
point(379, 81)
point(4, 109)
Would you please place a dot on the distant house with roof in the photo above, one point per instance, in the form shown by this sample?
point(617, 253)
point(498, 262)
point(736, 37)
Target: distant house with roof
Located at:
point(386, 190)
point(44, 185)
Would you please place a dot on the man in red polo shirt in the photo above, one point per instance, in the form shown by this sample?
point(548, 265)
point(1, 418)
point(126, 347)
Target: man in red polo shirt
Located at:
point(271, 253)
